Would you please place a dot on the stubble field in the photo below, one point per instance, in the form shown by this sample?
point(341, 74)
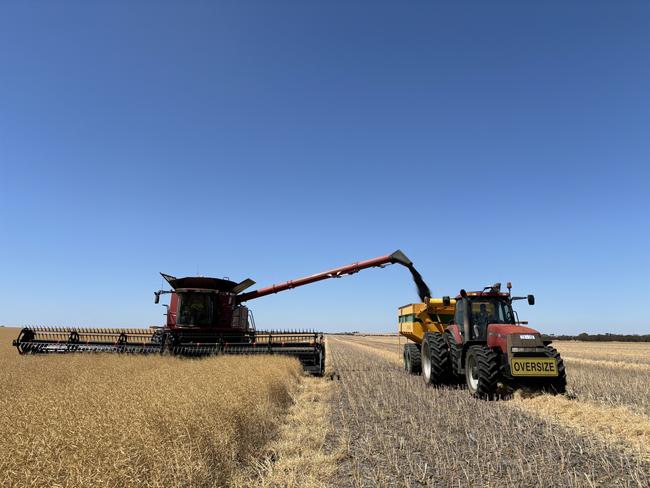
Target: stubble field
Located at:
point(154, 421)
point(403, 433)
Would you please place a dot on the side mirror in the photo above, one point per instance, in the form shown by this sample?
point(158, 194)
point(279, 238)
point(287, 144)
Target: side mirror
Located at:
point(446, 301)
point(156, 297)
point(531, 299)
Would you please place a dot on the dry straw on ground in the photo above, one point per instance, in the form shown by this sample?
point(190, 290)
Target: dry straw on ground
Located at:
point(108, 420)
point(304, 454)
point(398, 432)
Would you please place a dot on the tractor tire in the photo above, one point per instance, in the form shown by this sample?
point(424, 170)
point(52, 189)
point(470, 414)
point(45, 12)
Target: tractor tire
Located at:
point(454, 358)
point(557, 386)
point(436, 366)
point(412, 359)
point(482, 372)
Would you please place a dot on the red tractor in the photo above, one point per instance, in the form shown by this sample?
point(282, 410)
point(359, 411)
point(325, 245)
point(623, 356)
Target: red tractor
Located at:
point(477, 338)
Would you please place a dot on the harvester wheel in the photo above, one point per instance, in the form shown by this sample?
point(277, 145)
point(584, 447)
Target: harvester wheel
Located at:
point(557, 386)
point(25, 337)
point(482, 372)
point(168, 345)
point(321, 363)
point(412, 359)
point(436, 367)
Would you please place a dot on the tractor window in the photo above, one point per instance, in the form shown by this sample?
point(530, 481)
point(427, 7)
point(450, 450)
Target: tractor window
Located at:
point(491, 311)
point(196, 309)
point(459, 313)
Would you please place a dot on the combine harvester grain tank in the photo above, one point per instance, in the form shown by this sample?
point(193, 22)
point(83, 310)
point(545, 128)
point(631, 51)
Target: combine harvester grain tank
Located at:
point(206, 316)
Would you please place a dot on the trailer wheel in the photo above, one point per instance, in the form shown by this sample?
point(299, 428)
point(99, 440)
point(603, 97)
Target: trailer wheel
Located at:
point(481, 372)
point(557, 386)
point(412, 359)
point(436, 367)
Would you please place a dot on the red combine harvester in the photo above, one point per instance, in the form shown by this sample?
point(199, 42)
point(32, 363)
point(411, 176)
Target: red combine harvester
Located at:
point(205, 316)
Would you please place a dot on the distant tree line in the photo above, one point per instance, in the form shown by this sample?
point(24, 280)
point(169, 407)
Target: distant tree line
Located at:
point(599, 337)
point(584, 336)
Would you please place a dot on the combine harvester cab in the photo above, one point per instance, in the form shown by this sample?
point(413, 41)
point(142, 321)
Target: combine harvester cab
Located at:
point(478, 339)
point(206, 316)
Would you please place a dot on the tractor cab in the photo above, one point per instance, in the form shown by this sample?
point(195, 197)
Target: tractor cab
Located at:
point(484, 309)
point(476, 311)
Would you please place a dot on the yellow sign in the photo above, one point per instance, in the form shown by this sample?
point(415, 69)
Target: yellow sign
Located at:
point(533, 367)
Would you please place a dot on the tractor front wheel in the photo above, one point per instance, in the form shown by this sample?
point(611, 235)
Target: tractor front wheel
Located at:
point(481, 372)
point(557, 386)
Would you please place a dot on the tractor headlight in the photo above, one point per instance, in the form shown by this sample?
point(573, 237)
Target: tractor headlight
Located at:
point(527, 349)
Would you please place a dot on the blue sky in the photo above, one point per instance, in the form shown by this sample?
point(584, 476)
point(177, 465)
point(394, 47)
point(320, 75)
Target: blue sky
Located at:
point(491, 141)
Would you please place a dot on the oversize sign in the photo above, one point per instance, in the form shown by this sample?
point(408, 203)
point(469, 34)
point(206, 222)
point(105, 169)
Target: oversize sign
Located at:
point(533, 367)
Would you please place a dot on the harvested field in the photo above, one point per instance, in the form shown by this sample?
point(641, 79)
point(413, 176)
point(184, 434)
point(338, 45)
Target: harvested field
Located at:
point(94, 420)
point(610, 383)
point(400, 433)
point(628, 352)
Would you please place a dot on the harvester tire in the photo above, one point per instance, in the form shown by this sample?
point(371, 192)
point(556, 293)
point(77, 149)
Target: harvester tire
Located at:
point(482, 372)
point(557, 386)
point(436, 366)
point(412, 359)
point(321, 363)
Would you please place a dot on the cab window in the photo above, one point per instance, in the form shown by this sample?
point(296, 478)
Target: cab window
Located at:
point(458, 317)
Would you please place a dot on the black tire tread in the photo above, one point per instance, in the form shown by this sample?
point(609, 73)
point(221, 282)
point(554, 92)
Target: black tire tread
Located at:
point(440, 361)
point(454, 355)
point(414, 364)
point(557, 386)
point(488, 372)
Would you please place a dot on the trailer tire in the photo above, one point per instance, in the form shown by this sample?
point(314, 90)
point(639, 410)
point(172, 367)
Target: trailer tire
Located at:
point(436, 367)
point(412, 359)
point(482, 372)
point(557, 386)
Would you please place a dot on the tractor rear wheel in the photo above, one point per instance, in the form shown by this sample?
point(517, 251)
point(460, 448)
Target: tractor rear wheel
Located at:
point(482, 372)
point(436, 367)
point(454, 357)
point(557, 386)
point(412, 359)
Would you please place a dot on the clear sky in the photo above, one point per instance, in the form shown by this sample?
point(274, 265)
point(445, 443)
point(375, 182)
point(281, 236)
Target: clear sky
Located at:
point(491, 141)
